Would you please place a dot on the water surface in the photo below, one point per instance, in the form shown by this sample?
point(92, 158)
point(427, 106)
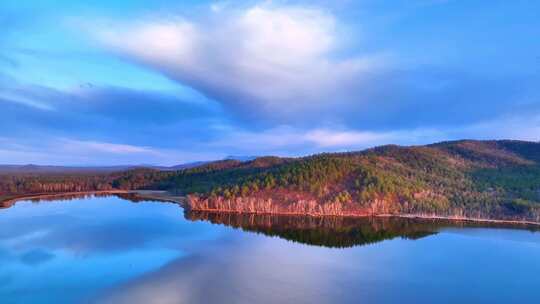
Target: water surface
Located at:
point(111, 250)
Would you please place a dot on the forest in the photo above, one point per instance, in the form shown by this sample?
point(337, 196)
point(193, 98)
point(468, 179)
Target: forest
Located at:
point(479, 179)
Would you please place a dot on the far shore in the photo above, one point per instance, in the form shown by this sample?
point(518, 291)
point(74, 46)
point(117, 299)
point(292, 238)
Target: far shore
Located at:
point(165, 196)
point(23, 197)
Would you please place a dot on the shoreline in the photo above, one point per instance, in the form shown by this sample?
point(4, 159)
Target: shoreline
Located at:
point(462, 219)
point(158, 195)
point(407, 216)
point(164, 196)
point(13, 200)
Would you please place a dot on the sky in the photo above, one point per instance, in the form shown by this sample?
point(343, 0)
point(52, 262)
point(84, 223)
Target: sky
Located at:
point(169, 82)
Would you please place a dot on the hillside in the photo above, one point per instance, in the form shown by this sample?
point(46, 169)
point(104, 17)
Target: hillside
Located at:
point(476, 179)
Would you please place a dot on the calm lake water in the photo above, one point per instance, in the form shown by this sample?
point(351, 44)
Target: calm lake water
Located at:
point(111, 250)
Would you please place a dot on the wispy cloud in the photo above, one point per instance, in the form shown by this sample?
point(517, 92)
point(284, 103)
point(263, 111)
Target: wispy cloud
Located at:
point(6, 97)
point(82, 152)
point(329, 139)
point(300, 141)
point(96, 146)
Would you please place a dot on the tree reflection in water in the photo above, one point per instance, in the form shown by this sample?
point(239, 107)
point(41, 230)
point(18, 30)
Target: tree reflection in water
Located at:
point(332, 232)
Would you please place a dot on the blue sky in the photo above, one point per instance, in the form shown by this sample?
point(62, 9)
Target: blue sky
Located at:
point(168, 82)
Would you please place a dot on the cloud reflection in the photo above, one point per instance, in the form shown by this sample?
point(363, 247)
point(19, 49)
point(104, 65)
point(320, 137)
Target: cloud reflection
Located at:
point(36, 257)
point(106, 250)
point(238, 269)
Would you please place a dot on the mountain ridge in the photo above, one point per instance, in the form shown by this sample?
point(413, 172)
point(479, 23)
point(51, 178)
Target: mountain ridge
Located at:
point(497, 179)
point(464, 178)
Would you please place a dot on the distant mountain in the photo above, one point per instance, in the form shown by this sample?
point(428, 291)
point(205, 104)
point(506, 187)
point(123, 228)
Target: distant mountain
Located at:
point(31, 168)
point(241, 158)
point(186, 166)
point(57, 169)
point(96, 169)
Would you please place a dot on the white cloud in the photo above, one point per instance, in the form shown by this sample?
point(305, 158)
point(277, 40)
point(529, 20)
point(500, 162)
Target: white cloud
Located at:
point(115, 153)
point(327, 138)
point(290, 141)
point(8, 97)
point(69, 151)
point(276, 60)
point(355, 140)
point(104, 147)
point(301, 142)
point(514, 127)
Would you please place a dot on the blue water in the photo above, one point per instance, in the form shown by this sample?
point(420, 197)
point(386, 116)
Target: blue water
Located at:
point(110, 250)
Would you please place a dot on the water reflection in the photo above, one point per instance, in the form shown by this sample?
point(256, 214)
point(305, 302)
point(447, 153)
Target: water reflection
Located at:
point(64, 250)
point(333, 232)
point(108, 250)
point(251, 268)
point(338, 232)
point(51, 198)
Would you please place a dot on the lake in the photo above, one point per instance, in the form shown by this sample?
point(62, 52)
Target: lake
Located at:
point(109, 249)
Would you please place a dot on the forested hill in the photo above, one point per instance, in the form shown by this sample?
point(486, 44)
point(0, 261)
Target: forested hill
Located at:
point(479, 179)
